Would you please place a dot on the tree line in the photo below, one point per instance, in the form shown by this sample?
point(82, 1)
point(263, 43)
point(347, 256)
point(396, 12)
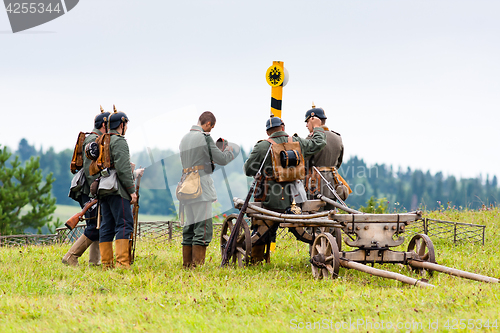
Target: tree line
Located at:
point(405, 190)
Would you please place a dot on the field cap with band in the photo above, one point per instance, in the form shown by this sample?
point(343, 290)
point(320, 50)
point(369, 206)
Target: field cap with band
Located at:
point(273, 122)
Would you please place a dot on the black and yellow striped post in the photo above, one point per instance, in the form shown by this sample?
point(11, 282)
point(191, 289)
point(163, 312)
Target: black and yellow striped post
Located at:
point(275, 77)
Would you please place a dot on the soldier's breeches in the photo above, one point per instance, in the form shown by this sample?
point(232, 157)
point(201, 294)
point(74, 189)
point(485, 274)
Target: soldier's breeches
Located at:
point(91, 219)
point(117, 220)
point(198, 228)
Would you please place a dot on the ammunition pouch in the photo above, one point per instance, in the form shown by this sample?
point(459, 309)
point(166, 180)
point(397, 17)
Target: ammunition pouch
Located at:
point(261, 189)
point(94, 187)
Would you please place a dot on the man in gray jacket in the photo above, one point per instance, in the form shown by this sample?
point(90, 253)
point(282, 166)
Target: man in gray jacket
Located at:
point(328, 160)
point(199, 153)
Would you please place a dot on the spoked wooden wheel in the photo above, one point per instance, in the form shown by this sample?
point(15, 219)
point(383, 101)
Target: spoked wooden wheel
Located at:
point(422, 246)
point(243, 240)
point(325, 257)
point(305, 234)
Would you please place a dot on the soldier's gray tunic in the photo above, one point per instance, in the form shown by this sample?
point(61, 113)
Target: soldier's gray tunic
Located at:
point(330, 156)
point(278, 197)
point(194, 151)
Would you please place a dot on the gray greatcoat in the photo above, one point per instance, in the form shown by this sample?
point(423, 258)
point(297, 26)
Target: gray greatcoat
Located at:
point(279, 197)
point(330, 156)
point(194, 151)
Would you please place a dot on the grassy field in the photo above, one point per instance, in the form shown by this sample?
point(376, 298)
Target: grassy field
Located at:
point(38, 293)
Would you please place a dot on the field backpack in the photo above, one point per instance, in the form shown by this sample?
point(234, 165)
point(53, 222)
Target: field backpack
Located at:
point(77, 159)
point(101, 156)
point(288, 161)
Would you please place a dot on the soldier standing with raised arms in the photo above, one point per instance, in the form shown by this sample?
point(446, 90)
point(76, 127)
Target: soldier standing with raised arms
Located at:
point(277, 195)
point(327, 161)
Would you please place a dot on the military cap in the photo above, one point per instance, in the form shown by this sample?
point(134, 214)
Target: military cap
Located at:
point(273, 122)
point(315, 112)
point(117, 118)
point(101, 118)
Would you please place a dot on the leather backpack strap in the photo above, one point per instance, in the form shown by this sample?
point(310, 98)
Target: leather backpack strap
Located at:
point(210, 152)
point(271, 141)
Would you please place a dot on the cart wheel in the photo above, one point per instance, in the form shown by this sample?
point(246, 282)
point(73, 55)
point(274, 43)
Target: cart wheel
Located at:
point(302, 234)
point(243, 242)
point(338, 237)
point(305, 234)
point(422, 246)
point(325, 257)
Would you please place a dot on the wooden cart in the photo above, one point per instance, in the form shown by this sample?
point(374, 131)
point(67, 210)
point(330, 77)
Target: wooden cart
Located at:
point(372, 236)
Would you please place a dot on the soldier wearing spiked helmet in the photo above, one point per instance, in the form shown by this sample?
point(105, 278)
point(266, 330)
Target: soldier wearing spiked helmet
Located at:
point(117, 220)
point(327, 161)
point(90, 237)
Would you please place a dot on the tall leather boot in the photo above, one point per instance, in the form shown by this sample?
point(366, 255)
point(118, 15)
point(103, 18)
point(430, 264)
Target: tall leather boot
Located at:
point(94, 254)
point(76, 251)
point(106, 249)
point(258, 252)
point(187, 256)
point(199, 252)
point(122, 253)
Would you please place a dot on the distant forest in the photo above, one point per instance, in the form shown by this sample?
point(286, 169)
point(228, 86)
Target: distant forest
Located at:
point(405, 190)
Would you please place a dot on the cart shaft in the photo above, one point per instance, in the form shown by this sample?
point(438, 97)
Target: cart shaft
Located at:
point(451, 271)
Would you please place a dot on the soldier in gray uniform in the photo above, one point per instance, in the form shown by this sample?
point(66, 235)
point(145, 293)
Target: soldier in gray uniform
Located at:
point(278, 195)
point(90, 237)
point(328, 160)
point(117, 220)
point(198, 153)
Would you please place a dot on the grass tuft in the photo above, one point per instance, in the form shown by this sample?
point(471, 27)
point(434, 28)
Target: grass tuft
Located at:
point(37, 292)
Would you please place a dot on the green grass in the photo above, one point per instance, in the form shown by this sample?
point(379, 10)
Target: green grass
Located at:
point(38, 293)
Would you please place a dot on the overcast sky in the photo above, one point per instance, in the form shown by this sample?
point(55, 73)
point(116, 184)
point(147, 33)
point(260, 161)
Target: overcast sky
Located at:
point(407, 83)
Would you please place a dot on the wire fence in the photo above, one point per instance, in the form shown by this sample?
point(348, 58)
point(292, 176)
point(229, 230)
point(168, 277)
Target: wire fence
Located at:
point(162, 231)
point(448, 230)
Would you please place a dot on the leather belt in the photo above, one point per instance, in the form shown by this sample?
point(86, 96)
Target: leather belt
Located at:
point(191, 169)
point(332, 169)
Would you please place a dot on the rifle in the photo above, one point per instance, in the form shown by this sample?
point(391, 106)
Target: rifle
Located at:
point(78, 217)
point(135, 212)
point(230, 246)
point(330, 187)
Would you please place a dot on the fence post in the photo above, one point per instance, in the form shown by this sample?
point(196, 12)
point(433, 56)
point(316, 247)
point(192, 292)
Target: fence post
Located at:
point(170, 226)
point(454, 233)
point(483, 233)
